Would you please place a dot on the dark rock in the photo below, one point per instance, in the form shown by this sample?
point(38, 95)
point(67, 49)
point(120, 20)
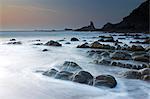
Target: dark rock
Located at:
point(67, 43)
point(142, 58)
point(38, 44)
point(121, 56)
point(50, 73)
point(83, 77)
point(70, 66)
point(74, 39)
point(53, 43)
point(85, 45)
point(104, 62)
point(136, 48)
point(132, 74)
point(15, 43)
point(105, 80)
point(12, 40)
point(143, 74)
point(44, 50)
point(64, 75)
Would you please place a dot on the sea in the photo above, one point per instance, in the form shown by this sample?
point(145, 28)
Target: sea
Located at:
point(19, 64)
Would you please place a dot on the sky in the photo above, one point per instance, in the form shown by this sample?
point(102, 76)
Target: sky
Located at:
point(60, 14)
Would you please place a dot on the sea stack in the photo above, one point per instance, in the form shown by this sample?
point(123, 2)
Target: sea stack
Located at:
point(90, 27)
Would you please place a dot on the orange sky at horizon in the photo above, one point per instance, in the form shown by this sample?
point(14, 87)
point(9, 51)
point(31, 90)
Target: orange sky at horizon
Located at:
point(25, 15)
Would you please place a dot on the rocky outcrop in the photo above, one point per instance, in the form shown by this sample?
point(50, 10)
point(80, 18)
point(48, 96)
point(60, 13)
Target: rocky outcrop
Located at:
point(90, 27)
point(137, 21)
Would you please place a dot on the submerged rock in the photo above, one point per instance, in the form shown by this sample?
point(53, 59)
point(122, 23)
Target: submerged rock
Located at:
point(51, 73)
point(53, 43)
point(142, 58)
point(44, 50)
point(105, 80)
point(74, 39)
point(64, 75)
point(121, 56)
point(12, 40)
point(143, 74)
point(15, 43)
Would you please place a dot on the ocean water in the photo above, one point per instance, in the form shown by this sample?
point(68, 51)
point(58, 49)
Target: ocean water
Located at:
point(19, 63)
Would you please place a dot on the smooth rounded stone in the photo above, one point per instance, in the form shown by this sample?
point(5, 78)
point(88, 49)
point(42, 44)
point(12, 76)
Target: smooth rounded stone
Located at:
point(15, 43)
point(85, 45)
point(74, 39)
point(143, 74)
point(53, 43)
point(118, 47)
point(119, 64)
point(114, 63)
point(51, 73)
point(105, 80)
point(104, 62)
point(142, 58)
point(83, 77)
point(129, 66)
point(145, 71)
point(133, 74)
point(38, 44)
point(146, 78)
point(121, 56)
point(67, 43)
point(147, 48)
point(136, 48)
point(105, 54)
point(44, 50)
point(96, 44)
point(70, 66)
point(64, 75)
point(138, 53)
point(12, 40)
point(145, 66)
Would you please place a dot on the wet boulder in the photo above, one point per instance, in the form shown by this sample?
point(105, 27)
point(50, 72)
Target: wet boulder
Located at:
point(133, 74)
point(38, 44)
point(121, 56)
point(50, 73)
point(53, 43)
point(136, 48)
point(12, 40)
point(105, 80)
point(103, 62)
point(63, 75)
point(67, 43)
point(142, 58)
point(96, 44)
point(15, 43)
point(74, 39)
point(83, 77)
point(85, 45)
point(143, 74)
point(70, 66)
point(45, 50)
